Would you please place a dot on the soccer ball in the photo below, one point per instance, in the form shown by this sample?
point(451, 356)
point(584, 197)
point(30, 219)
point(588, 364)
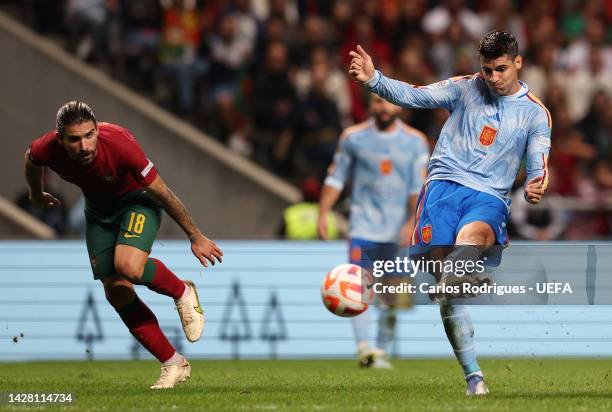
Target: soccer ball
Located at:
point(345, 290)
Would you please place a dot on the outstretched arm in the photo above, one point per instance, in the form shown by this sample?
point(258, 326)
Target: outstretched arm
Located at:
point(33, 176)
point(203, 248)
point(443, 94)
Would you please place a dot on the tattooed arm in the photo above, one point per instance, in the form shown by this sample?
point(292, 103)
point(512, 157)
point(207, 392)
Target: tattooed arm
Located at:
point(203, 248)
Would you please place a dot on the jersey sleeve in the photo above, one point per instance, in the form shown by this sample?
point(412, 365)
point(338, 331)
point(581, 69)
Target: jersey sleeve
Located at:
point(339, 171)
point(40, 151)
point(419, 168)
point(444, 94)
point(538, 147)
point(138, 165)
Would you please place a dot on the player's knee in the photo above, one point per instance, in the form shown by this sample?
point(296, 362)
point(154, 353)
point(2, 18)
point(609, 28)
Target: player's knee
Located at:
point(477, 239)
point(129, 269)
point(476, 233)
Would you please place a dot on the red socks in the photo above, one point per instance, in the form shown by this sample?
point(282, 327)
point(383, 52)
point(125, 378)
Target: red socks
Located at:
point(160, 279)
point(139, 319)
point(143, 324)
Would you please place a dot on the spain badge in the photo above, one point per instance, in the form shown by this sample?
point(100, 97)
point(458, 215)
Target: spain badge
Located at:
point(386, 167)
point(487, 135)
point(426, 233)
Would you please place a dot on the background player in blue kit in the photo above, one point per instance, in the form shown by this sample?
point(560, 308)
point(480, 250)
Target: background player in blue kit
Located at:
point(495, 121)
point(386, 160)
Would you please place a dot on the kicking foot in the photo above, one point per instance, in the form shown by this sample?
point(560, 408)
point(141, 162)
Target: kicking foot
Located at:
point(191, 313)
point(476, 386)
point(171, 375)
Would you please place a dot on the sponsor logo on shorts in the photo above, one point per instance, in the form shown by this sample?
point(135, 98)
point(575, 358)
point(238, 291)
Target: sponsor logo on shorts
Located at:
point(426, 233)
point(129, 236)
point(487, 136)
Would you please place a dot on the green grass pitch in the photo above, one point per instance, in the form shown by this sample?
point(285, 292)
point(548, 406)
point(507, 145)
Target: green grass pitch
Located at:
point(414, 385)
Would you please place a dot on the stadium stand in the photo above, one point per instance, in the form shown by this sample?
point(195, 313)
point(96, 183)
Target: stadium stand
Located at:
point(212, 180)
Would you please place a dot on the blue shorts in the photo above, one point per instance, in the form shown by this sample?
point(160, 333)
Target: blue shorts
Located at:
point(364, 252)
point(444, 207)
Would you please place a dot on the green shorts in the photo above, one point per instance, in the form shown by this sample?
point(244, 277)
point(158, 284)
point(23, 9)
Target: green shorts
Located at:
point(135, 224)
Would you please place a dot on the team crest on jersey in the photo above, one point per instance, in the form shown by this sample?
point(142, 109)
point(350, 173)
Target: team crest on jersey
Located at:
point(487, 136)
point(426, 233)
point(386, 167)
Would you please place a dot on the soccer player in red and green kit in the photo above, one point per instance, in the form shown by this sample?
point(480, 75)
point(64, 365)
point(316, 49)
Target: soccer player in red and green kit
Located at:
point(124, 196)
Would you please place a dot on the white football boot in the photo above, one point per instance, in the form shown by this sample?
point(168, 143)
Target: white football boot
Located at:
point(191, 313)
point(476, 386)
point(381, 360)
point(171, 375)
point(365, 356)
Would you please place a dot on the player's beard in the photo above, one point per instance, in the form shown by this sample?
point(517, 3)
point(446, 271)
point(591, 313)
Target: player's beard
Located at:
point(86, 159)
point(383, 122)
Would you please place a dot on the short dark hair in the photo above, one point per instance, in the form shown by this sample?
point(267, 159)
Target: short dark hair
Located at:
point(496, 43)
point(71, 113)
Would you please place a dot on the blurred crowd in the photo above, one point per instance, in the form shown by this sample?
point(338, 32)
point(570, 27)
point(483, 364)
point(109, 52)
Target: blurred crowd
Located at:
point(268, 78)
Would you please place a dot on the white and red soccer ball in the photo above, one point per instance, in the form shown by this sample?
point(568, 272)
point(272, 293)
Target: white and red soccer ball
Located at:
point(346, 290)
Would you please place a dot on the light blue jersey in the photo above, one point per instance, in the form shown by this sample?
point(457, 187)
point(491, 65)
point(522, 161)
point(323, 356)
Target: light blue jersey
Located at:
point(484, 140)
point(386, 168)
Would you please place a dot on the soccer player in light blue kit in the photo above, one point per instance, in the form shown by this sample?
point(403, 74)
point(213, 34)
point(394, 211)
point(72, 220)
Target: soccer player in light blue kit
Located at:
point(386, 160)
point(495, 121)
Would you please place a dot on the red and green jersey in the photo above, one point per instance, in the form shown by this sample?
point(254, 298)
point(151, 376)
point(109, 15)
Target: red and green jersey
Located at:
point(119, 168)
